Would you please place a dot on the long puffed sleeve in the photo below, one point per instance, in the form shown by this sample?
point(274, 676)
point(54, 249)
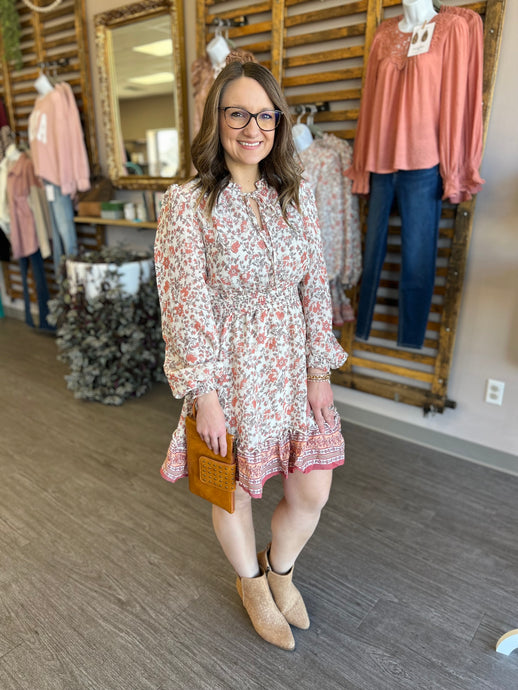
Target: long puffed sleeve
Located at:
point(322, 348)
point(453, 103)
point(188, 327)
point(359, 172)
point(471, 182)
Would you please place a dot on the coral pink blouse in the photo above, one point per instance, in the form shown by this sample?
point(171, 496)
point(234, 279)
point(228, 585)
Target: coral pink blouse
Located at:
point(413, 108)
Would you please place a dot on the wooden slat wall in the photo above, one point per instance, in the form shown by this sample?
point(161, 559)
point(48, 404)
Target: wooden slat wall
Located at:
point(49, 36)
point(318, 51)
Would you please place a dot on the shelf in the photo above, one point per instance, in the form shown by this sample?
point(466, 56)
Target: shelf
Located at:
point(121, 222)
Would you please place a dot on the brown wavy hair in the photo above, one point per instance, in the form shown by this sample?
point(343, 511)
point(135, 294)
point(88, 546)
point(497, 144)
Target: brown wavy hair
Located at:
point(281, 168)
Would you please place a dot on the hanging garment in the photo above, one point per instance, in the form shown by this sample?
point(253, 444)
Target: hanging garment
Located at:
point(418, 194)
point(202, 78)
point(412, 113)
point(7, 137)
point(352, 255)
point(4, 120)
point(60, 160)
point(40, 210)
point(20, 180)
point(4, 201)
point(64, 235)
point(42, 291)
point(79, 167)
point(203, 74)
point(56, 141)
point(325, 161)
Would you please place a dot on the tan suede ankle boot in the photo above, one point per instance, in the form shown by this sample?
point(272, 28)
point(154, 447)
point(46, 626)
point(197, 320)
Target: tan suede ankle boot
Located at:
point(266, 618)
point(286, 595)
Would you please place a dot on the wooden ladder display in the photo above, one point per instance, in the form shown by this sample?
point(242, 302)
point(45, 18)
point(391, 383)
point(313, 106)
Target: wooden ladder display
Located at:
point(58, 40)
point(318, 52)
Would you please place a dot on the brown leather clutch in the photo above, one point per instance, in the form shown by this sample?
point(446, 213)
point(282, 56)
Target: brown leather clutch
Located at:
point(210, 476)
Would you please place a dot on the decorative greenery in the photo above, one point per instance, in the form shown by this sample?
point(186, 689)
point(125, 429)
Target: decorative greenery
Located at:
point(113, 342)
point(11, 32)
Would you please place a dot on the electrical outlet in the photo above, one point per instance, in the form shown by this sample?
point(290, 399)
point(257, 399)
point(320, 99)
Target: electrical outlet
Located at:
point(494, 391)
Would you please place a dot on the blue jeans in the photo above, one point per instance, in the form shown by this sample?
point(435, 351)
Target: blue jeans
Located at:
point(418, 194)
point(64, 237)
point(42, 291)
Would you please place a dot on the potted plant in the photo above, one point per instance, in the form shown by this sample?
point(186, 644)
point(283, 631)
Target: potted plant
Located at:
point(107, 318)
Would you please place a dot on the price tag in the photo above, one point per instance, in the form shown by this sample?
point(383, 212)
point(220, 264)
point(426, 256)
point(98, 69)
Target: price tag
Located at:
point(49, 192)
point(421, 39)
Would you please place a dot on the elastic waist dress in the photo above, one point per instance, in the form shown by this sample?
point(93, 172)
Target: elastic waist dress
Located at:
point(245, 311)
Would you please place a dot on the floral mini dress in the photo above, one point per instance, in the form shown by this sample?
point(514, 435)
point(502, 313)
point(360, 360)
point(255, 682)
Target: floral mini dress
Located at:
point(245, 310)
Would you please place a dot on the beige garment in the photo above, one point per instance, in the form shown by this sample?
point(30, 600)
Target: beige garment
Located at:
point(203, 74)
point(40, 210)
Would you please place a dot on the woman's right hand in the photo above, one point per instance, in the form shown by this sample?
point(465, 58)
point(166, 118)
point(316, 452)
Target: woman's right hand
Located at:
point(210, 423)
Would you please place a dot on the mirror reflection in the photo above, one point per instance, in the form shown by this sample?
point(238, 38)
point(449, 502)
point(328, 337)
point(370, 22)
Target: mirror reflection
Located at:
point(140, 61)
point(144, 77)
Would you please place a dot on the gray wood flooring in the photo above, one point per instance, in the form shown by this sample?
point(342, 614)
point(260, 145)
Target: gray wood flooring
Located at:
point(111, 578)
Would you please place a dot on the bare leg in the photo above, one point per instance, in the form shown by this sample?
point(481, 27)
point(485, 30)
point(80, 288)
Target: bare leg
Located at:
point(235, 533)
point(297, 515)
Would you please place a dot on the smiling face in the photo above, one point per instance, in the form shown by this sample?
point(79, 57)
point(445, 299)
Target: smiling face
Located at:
point(245, 148)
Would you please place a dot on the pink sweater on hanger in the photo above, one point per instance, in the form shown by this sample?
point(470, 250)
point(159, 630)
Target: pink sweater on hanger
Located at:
point(57, 143)
point(413, 108)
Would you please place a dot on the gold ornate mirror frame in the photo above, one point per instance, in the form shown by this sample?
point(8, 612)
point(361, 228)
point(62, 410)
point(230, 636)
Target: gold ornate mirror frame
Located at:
point(105, 24)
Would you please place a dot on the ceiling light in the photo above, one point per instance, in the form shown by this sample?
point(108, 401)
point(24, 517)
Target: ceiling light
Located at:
point(156, 78)
point(157, 48)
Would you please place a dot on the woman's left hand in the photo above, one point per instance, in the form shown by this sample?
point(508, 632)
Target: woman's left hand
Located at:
point(320, 402)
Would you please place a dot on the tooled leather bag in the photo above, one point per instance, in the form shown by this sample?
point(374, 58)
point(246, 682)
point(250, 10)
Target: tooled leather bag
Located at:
point(211, 476)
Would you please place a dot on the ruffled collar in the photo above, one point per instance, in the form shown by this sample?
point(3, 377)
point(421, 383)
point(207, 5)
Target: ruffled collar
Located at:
point(263, 192)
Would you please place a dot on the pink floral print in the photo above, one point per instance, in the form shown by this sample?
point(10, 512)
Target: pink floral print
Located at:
point(245, 311)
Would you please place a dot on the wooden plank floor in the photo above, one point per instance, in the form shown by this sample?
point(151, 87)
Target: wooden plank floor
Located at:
point(111, 578)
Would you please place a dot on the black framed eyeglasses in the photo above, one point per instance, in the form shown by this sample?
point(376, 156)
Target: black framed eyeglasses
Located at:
point(238, 118)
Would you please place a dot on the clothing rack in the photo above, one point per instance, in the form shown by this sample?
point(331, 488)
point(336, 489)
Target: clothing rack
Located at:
point(54, 40)
point(304, 108)
point(60, 62)
point(323, 72)
point(219, 23)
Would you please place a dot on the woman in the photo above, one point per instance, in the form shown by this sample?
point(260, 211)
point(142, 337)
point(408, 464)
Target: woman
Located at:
point(247, 326)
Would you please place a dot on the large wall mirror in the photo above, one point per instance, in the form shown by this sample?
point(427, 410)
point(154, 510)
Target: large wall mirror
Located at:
point(141, 63)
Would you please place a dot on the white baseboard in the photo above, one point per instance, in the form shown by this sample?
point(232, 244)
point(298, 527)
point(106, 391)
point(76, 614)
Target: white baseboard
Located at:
point(474, 452)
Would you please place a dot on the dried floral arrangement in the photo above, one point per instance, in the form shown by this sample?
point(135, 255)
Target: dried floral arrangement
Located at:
point(113, 342)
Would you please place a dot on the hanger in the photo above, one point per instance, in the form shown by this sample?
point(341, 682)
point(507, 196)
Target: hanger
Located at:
point(230, 42)
point(315, 131)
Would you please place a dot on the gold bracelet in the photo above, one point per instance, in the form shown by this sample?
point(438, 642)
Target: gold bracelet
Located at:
point(318, 377)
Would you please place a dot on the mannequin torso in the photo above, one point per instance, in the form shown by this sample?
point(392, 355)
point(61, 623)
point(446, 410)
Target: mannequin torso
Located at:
point(416, 13)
